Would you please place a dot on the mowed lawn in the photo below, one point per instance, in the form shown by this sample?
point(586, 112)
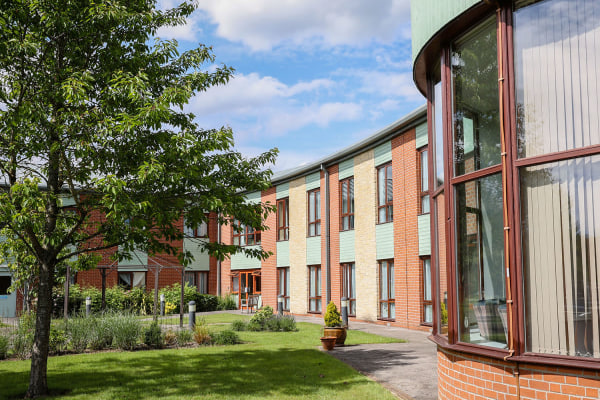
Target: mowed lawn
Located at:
point(283, 365)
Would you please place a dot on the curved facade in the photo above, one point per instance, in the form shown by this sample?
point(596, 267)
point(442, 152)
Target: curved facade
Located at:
point(514, 132)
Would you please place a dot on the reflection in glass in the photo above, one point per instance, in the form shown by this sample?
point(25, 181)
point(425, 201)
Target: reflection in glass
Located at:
point(557, 67)
point(560, 235)
point(476, 104)
point(440, 256)
point(480, 262)
point(438, 129)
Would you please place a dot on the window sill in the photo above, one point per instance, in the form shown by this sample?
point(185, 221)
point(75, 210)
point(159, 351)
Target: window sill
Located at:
point(308, 236)
point(386, 222)
point(283, 240)
point(346, 230)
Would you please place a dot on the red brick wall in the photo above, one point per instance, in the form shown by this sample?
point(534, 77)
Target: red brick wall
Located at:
point(213, 236)
point(226, 232)
point(268, 239)
point(334, 237)
point(462, 376)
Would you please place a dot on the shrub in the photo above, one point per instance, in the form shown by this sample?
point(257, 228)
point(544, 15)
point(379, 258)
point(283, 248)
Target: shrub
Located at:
point(153, 336)
point(3, 346)
point(126, 330)
point(170, 338)
point(332, 316)
point(23, 339)
point(226, 302)
point(207, 302)
point(201, 333)
point(262, 316)
point(58, 340)
point(183, 336)
point(101, 334)
point(238, 325)
point(254, 326)
point(80, 331)
point(226, 337)
point(285, 323)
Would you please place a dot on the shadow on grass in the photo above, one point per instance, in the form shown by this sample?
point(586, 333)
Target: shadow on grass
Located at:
point(193, 373)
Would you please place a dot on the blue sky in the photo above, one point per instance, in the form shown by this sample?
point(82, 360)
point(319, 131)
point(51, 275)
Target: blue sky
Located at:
point(311, 77)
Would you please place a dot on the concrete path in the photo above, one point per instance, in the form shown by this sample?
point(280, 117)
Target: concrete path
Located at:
point(409, 369)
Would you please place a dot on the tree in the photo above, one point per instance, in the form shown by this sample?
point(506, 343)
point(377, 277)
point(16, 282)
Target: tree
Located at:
point(95, 147)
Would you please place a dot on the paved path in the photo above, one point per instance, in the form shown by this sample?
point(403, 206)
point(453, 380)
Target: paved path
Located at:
point(409, 369)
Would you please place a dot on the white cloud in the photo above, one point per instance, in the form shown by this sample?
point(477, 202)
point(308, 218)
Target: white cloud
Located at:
point(263, 24)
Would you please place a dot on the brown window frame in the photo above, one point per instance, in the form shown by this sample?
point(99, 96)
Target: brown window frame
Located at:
point(283, 227)
point(349, 212)
point(424, 301)
point(388, 205)
point(197, 280)
point(348, 271)
point(195, 232)
point(284, 293)
point(130, 273)
point(423, 193)
point(316, 297)
point(390, 284)
point(244, 232)
point(316, 223)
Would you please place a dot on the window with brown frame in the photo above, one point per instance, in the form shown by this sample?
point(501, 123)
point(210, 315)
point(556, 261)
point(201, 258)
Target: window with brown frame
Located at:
point(314, 289)
point(197, 279)
point(314, 212)
point(283, 223)
point(199, 231)
point(347, 204)
point(244, 235)
point(349, 287)
point(424, 206)
point(387, 301)
point(283, 285)
point(129, 280)
point(385, 194)
point(427, 299)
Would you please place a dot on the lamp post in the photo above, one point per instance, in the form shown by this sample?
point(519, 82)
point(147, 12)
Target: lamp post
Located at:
point(192, 316)
point(344, 303)
point(162, 304)
point(280, 304)
point(88, 306)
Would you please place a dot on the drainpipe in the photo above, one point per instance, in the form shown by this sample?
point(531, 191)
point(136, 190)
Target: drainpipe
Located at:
point(327, 237)
point(218, 259)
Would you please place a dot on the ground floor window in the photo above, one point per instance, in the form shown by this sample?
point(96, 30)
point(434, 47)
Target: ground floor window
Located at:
point(427, 300)
point(283, 278)
point(5, 282)
point(314, 291)
point(245, 284)
point(197, 279)
point(130, 280)
point(349, 287)
point(387, 304)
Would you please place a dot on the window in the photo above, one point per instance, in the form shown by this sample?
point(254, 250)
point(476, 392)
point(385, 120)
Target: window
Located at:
point(283, 223)
point(387, 304)
point(130, 280)
point(349, 287)
point(314, 212)
point(427, 299)
point(347, 204)
point(424, 181)
point(200, 231)
point(283, 284)
point(198, 279)
point(385, 194)
point(245, 235)
point(314, 290)
point(5, 282)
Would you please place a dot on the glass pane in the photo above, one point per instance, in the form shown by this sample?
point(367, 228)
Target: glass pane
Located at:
point(382, 215)
point(311, 230)
point(318, 205)
point(476, 104)
point(560, 234)
point(384, 310)
point(381, 182)
point(318, 279)
point(287, 281)
point(438, 135)
point(557, 68)
point(391, 280)
point(280, 216)
point(318, 305)
point(344, 197)
point(383, 274)
point(345, 223)
point(318, 228)
point(125, 280)
point(441, 270)
point(351, 222)
point(190, 278)
point(203, 229)
point(352, 307)
point(428, 317)
point(425, 204)
point(390, 185)
point(311, 207)
point(427, 279)
point(235, 283)
point(313, 305)
point(313, 290)
point(480, 261)
point(424, 172)
point(353, 281)
point(351, 195)
point(392, 307)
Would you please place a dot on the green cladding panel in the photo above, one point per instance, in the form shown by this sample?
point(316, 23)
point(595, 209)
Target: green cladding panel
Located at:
point(283, 190)
point(347, 246)
point(424, 223)
point(138, 262)
point(253, 198)
point(383, 153)
point(283, 254)
point(313, 250)
point(429, 16)
point(313, 181)
point(384, 238)
point(421, 135)
point(241, 261)
point(346, 169)
point(201, 260)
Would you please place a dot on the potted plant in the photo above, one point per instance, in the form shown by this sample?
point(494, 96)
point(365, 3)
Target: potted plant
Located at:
point(328, 342)
point(333, 324)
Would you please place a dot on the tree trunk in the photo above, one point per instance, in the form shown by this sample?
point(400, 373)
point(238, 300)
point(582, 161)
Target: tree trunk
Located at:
point(38, 384)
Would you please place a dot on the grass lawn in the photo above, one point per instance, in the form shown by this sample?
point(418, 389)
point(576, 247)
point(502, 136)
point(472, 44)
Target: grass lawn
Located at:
point(283, 365)
point(216, 318)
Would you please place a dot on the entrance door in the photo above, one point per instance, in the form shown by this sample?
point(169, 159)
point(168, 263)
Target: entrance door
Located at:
point(8, 301)
point(246, 283)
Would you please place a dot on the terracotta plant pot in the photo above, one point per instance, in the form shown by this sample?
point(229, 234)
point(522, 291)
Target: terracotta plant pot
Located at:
point(328, 342)
point(337, 331)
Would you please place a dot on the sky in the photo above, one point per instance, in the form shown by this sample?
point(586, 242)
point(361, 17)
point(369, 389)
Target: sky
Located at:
point(311, 76)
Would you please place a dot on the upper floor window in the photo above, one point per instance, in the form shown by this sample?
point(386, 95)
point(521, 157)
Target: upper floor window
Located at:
point(314, 212)
point(283, 223)
point(200, 231)
point(385, 194)
point(347, 204)
point(424, 181)
point(245, 235)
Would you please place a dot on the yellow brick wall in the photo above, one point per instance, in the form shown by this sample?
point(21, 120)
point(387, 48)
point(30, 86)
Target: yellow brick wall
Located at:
point(298, 268)
point(364, 225)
